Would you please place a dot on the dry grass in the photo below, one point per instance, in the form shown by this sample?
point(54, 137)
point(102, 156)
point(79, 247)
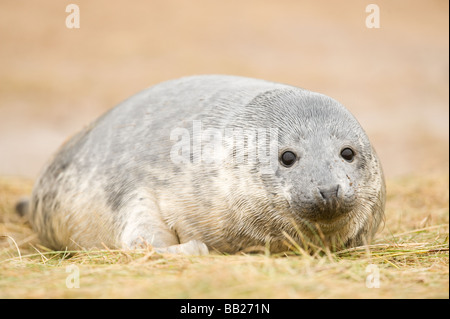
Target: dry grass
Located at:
point(411, 254)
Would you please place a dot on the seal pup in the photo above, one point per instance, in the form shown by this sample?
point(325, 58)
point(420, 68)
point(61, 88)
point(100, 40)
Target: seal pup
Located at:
point(213, 162)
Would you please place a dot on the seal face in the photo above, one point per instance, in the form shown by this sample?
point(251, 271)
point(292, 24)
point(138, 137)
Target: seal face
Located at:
point(213, 162)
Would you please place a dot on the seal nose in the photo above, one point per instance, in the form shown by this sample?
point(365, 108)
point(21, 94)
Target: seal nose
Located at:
point(329, 193)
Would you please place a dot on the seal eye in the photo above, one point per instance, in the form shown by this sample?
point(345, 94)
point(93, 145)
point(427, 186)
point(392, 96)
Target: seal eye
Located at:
point(288, 158)
point(348, 154)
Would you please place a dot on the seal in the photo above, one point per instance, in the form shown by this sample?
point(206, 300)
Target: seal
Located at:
point(213, 163)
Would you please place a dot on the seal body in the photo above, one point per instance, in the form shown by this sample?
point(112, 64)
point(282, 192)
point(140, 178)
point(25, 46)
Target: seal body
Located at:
point(213, 163)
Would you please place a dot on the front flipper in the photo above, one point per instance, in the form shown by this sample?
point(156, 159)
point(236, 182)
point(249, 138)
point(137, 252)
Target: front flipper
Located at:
point(143, 226)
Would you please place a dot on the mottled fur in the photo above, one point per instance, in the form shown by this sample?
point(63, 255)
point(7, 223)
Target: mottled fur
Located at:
point(114, 184)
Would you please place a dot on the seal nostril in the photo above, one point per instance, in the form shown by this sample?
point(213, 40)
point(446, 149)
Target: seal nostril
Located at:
point(329, 192)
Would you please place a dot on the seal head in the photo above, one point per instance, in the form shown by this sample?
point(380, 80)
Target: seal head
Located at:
point(328, 186)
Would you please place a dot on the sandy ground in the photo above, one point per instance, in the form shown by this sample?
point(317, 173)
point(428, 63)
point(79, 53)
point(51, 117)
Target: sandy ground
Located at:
point(54, 80)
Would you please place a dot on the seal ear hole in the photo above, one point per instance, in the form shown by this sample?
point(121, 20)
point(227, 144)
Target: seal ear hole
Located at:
point(348, 154)
point(288, 158)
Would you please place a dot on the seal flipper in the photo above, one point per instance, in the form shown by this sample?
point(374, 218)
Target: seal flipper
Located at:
point(23, 207)
point(144, 227)
point(193, 247)
point(142, 224)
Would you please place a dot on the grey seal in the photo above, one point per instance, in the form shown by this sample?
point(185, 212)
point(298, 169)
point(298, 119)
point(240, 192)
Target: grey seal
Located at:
point(162, 168)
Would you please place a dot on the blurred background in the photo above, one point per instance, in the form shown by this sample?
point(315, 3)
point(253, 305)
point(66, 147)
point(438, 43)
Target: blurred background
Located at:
point(394, 79)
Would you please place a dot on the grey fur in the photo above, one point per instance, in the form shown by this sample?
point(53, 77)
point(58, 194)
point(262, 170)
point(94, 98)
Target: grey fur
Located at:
point(114, 184)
